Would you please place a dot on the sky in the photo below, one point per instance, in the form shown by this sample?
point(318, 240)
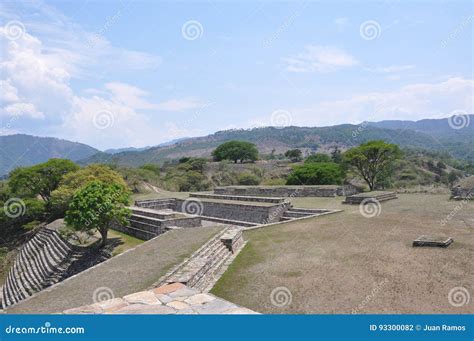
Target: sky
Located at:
point(115, 74)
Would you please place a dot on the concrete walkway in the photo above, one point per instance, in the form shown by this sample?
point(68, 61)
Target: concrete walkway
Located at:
point(132, 271)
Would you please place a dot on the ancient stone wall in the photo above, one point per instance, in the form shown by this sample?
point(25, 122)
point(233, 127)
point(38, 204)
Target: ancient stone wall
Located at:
point(288, 191)
point(41, 262)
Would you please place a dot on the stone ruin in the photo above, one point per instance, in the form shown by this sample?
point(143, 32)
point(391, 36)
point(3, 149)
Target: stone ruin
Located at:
point(464, 190)
point(374, 196)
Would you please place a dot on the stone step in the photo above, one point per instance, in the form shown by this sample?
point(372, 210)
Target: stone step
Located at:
point(308, 210)
point(156, 229)
point(295, 214)
point(147, 220)
point(276, 200)
point(229, 221)
point(162, 214)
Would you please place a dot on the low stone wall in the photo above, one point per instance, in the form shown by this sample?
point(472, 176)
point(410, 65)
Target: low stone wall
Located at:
point(288, 191)
point(459, 193)
point(273, 200)
point(369, 196)
point(237, 211)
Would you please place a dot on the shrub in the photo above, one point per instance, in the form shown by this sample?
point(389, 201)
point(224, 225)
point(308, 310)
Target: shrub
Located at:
point(318, 157)
point(321, 173)
point(248, 179)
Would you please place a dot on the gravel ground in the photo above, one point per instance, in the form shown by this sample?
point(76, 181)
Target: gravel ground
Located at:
point(347, 263)
point(127, 273)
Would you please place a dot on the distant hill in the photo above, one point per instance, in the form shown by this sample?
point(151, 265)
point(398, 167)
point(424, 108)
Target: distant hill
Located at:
point(133, 149)
point(436, 135)
point(26, 150)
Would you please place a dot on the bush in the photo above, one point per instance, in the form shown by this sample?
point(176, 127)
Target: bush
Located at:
point(321, 173)
point(318, 157)
point(248, 179)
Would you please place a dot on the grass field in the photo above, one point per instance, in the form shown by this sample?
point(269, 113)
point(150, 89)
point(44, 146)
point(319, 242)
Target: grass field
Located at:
point(348, 263)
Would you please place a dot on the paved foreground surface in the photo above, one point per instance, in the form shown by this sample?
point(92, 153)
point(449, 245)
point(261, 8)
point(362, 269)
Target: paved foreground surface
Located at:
point(173, 298)
point(359, 262)
point(132, 271)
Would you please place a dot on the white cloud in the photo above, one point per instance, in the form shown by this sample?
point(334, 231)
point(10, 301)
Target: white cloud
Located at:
point(391, 69)
point(341, 22)
point(318, 58)
point(410, 102)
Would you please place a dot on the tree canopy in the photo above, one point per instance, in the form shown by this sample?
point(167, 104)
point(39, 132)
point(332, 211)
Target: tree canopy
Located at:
point(372, 160)
point(97, 206)
point(320, 173)
point(41, 179)
point(236, 151)
point(294, 154)
point(318, 157)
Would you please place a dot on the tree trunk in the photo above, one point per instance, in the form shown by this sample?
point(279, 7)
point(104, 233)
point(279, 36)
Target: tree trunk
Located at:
point(103, 233)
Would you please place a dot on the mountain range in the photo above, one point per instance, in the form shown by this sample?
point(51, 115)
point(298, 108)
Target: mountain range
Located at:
point(443, 135)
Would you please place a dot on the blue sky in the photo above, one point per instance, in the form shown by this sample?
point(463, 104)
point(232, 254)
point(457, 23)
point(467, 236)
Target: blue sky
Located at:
point(137, 73)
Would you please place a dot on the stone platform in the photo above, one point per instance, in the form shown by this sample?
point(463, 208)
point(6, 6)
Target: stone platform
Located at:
point(288, 191)
point(433, 241)
point(374, 196)
point(175, 298)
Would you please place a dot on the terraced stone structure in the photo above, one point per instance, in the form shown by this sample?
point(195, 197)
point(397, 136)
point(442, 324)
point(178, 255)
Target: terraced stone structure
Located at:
point(42, 261)
point(145, 223)
point(288, 191)
point(374, 196)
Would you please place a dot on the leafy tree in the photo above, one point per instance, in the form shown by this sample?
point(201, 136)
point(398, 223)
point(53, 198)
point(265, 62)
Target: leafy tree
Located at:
point(236, 151)
point(373, 160)
point(318, 157)
point(294, 154)
point(61, 197)
point(41, 179)
point(97, 206)
point(316, 173)
point(336, 155)
point(151, 167)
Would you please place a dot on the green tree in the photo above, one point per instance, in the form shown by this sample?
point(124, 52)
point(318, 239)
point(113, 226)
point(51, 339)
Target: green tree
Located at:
point(336, 155)
point(98, 206)
point(41, 179)
point(71, 182)
point(318, 157)
point(373, 160)
point(294, 154)
point(316, 173)
point(236, 151)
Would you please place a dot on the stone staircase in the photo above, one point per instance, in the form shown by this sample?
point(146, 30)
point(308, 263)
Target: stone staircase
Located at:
point(294, 213)
point(41, 262)
point(369, 196)
point(146, 223)
point(202, 270)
